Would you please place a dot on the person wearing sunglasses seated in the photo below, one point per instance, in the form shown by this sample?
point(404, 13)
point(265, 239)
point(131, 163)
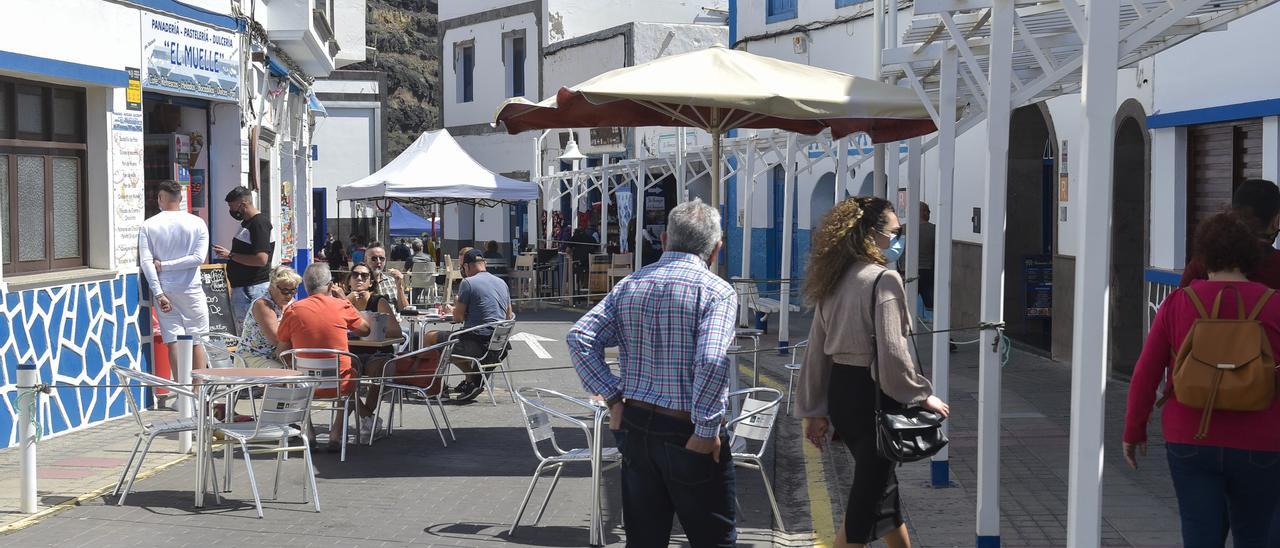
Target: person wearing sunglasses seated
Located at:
point(362, 295)
point(258, 339)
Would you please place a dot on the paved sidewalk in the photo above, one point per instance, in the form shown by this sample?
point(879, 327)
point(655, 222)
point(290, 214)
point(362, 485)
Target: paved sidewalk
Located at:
point(1139, 508)
point(408, 490)
point(81, 463)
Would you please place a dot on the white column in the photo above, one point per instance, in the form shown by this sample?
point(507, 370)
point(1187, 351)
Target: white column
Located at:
point(1169, 203)
point(914, 147)
point(639, 215)
point(28, 410)
point(747, 186)
point(604, 204)
point(998, 115)
point(842, 169)
point(682, 169)
point(941, 473)
point(879, 187)
point(1093, 262)
point(1271, 153)
point(182, 374)
point(535, 176)
point(788, 201)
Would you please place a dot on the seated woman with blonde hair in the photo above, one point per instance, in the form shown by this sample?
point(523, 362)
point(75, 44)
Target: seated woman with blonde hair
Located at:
point(258, 331)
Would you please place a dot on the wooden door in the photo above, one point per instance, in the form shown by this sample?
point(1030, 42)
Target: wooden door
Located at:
point(1220, 156)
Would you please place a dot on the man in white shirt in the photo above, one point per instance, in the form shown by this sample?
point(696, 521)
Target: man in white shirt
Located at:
point(171, 247)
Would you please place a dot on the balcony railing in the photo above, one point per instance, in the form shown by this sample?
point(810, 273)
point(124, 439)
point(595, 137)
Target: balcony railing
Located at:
point(1158, 285)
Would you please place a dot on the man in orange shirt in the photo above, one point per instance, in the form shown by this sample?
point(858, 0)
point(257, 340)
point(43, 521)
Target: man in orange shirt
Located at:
point(323, 320)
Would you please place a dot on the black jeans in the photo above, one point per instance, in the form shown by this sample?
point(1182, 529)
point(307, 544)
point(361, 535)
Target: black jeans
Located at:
point(661, 478)
point(1221, 489)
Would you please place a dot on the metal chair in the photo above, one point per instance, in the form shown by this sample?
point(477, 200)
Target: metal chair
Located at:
point(148, 429)
point(755, 423)
point(537, 422)
point(496, 356)
point(284, 412)
point(398, 265)
point(437, 384)
point(423, 282)
point(326, 368)
point(754, 335)
point(523, 278)
point(797, 360)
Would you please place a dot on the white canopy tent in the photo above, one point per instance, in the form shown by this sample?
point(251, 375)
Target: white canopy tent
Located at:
point(435, 170)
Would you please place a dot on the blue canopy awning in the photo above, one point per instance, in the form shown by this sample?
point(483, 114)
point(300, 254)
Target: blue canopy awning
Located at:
point(405, 223)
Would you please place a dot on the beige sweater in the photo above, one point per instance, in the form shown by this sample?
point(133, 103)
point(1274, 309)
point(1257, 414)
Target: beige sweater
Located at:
point(840, 334)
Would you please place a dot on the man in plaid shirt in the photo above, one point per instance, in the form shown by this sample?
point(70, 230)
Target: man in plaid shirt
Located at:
point(672, 322)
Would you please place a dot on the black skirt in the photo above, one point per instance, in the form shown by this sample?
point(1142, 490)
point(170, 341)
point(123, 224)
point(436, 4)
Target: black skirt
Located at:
point(873, 509)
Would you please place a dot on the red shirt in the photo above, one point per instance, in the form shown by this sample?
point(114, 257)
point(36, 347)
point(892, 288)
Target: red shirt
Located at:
point(1248, 430)
point(1267, 273)
point(321, 321)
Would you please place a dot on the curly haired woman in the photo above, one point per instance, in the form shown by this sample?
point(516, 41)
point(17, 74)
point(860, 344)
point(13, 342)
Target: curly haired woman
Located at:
point(836, 388)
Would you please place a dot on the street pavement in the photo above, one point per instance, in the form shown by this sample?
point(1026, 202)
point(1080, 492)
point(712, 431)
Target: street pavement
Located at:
point(409, 490)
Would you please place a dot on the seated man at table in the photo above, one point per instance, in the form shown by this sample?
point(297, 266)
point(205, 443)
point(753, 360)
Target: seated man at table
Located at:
point(482, 298)
point(322, 320)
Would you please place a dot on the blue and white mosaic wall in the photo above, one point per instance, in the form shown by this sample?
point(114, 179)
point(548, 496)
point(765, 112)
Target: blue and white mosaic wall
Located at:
point(74, 334)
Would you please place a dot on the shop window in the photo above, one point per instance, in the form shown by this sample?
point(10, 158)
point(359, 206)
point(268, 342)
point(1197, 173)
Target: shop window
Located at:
point(464, 68)
point(779, 10)
point(42, 182)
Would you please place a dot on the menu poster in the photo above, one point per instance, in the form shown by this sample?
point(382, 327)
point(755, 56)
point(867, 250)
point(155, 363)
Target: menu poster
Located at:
point(127, 185)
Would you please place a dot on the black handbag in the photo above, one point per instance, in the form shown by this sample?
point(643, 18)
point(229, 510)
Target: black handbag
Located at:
point(907, 434)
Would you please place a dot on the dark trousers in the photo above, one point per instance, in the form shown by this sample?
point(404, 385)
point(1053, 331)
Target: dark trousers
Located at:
point(1221, 489)
point(661, 478)
point(874, 508)
point(926, 288)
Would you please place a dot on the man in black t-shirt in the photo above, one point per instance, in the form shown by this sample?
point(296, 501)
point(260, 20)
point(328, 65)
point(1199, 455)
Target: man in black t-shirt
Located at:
point(249, 265)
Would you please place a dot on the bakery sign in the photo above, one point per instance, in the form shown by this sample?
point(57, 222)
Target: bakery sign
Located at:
point(187, 58)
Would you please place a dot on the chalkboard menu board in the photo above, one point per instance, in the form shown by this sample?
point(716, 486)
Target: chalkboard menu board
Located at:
point(217, 292)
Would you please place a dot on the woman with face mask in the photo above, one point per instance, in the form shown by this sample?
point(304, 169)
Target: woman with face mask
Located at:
point(856, 298)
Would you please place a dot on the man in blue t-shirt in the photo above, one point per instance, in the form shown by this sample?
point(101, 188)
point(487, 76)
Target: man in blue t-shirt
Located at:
point(482, 298)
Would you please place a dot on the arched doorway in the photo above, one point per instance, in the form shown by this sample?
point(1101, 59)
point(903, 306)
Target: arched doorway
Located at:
point(822, 199)
point(1029, 228)
point(1131, 174)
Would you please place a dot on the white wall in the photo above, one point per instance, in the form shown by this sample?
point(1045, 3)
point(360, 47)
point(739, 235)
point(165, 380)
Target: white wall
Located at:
point(572, 18)
point(1221, 68)
point(102, 34)
point(349, 31)
point(489, 84)
point(346, 143)
point(453, 9)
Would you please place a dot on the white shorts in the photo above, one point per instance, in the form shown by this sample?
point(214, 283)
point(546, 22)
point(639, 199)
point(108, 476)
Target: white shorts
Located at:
point(189, 314)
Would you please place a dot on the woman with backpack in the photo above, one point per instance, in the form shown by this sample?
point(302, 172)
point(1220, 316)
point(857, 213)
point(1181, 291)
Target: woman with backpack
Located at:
point(1212, 342)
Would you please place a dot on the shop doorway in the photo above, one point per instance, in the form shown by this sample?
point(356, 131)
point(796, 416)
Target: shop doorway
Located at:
point(1130, 176)
point(1029, 225)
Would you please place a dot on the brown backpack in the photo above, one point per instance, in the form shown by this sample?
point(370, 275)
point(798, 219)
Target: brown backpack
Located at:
point(1225, 364)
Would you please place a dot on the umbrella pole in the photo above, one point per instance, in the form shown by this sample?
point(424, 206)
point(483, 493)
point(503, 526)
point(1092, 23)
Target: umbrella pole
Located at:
point(715, 173)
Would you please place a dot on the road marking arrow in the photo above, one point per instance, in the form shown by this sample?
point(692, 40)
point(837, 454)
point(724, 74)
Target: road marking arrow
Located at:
point(535, 343)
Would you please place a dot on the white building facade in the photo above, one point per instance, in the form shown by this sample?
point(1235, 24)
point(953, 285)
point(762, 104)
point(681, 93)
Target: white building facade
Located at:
point(1179, 112)
point(99, 102)
point(493, 50)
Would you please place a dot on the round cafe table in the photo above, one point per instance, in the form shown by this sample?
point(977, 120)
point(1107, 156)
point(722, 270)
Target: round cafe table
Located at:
point(226, 377)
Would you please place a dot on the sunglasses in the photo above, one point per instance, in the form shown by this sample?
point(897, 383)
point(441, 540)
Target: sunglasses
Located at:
point(379, 259)
point(287, 290)
point(359, 274)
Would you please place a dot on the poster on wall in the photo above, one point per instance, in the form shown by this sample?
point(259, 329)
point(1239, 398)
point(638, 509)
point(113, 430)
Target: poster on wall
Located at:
point(127, 188)
point(287, 240)
point(189, 58)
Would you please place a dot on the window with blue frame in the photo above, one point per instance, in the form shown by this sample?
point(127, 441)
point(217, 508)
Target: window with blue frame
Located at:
point(847, 3)
point(779, 10)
